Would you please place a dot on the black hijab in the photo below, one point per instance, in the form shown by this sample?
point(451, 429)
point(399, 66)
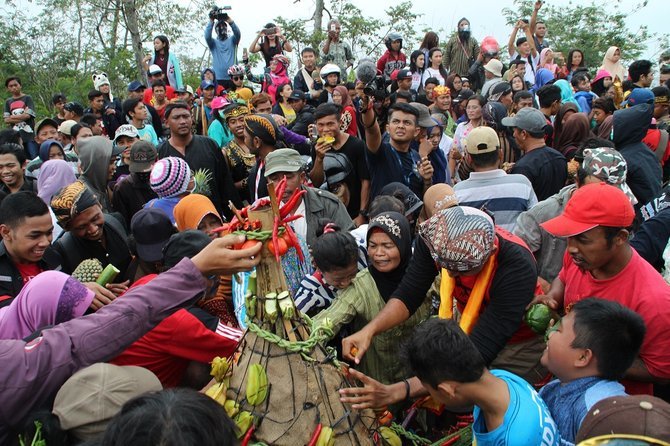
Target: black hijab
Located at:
point(396, 226)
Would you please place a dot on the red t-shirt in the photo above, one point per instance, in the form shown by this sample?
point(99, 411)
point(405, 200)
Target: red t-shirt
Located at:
point(148, 97)
point(642, 289)
point(175, 342)
point(28, 271)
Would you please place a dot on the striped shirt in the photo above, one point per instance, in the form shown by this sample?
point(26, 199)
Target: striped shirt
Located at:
point(505, 195)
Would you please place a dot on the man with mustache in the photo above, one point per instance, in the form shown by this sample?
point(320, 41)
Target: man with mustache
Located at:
point(599, 262)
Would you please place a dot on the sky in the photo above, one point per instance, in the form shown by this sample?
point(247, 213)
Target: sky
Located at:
point(485, 15)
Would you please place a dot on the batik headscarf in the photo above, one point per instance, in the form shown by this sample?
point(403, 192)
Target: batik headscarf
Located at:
point(397, 227)
point(50, 298)
point(263, 127)
point(71, 201)
point(459, 238)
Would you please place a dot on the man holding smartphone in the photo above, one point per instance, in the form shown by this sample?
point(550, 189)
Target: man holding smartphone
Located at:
point(335, 51)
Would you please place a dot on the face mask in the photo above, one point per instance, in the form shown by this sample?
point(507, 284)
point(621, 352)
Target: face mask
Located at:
point(465, 29)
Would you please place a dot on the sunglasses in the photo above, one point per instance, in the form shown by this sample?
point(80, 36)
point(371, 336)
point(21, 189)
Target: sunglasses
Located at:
point(237, 78)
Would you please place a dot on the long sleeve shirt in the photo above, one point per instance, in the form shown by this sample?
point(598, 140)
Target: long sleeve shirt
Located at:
point(32, 372)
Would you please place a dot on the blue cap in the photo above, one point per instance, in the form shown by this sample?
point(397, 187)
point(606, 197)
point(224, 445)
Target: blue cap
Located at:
point(206, 84)
point(639, 96)
point(135, 85)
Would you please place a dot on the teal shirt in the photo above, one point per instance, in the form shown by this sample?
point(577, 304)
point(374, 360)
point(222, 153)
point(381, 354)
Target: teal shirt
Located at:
point(219, 133)
point(147, 133)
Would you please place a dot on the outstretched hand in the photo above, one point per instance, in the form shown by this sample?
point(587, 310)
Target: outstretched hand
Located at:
point(372, 395)
point(220, 258)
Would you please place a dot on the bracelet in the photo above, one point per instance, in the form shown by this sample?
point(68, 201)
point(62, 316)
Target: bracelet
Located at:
point(406, 389)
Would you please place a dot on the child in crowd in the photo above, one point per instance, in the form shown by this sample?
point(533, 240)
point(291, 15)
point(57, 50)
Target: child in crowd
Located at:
point(588, 350)
point(507, 409)
point(583, 94)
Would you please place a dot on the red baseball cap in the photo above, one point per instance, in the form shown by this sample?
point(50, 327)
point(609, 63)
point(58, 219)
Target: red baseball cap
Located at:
point(592, 205)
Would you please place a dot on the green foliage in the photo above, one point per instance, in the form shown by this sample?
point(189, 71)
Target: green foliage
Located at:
point(591, 28)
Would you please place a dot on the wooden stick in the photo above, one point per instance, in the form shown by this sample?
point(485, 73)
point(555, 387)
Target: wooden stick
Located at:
point(235, 211)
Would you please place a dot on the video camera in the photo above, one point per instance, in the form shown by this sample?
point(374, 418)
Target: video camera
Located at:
point(376, 87)
point(219, 13)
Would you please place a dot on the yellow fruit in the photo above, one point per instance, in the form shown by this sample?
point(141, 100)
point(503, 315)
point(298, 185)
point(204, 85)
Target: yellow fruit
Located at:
point(326, 437)
point(220, 368)
point(390, 438)
point(232, 408)
point(326, 140)
point(243, 421)
point(218, 393)
point(257, 384)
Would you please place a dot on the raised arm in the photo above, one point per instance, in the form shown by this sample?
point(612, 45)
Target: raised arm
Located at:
point(373, 135)
point(511, 44)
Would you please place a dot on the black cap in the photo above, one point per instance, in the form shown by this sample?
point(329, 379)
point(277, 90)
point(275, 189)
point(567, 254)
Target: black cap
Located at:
point(464, 94)
point(297, 95)
point(184, 244)
point(74, 107)
point(404, 74)
point(136, 85)
point(151, 229)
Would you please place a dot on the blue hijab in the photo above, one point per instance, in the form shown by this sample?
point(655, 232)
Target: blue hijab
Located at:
point(45, 147)
point(566, 93)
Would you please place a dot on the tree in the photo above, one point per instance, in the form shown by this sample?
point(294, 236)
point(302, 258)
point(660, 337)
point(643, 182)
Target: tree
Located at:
point(591, 28)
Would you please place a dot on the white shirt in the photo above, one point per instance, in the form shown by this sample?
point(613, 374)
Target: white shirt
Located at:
point(529, 76)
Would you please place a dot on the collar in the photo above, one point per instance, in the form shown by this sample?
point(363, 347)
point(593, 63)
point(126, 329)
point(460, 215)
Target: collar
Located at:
point(497, 173)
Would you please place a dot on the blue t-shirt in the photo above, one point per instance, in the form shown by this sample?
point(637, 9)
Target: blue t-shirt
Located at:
point(390, 166)
point(527, 420)
point(147, 133)
point(570, 402)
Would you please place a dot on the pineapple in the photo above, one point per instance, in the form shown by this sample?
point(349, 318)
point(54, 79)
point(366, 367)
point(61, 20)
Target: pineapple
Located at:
point(88, 270)
point(202, 179)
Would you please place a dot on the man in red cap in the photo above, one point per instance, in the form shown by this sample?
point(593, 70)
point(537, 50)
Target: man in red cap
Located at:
point(599, 262)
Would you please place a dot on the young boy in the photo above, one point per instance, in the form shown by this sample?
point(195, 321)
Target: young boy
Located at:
point(583, 94)
point(507, 409)
point(588, 350)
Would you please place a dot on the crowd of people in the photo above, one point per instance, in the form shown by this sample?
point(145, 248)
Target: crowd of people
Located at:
point(440, 181)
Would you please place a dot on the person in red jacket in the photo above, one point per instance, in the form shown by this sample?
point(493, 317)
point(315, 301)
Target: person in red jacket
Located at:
point(393, 59)
point(179, 349)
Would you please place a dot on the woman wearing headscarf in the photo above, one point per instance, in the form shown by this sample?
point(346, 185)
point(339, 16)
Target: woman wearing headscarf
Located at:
point(576, 130)
point(547, 61)
point(567, 95)
point(56, 175)
point(612, 64)
point(564, 112)
point(542, 77)
point(601, 84)
point(196, 211)
point(98, 164)
point(389, 243)
point(50, 298)
point(348, 117)
point(437, 157)
point(49, 150)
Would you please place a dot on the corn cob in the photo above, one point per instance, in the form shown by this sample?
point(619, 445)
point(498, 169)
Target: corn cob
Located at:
point(286, 305)
point(257, 384)
point(271, 307)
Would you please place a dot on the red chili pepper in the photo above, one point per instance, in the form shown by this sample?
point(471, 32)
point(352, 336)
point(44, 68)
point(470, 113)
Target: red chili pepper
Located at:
point(315, 435)
point(223, 228)
point(294, 242)
point(292, 218)
point(281, 188)
point(451, 441)
point(292, 203)
point(275, 231)
point(248, 435)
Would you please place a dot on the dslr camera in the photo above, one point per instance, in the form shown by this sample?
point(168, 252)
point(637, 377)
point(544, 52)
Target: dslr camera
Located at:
point(219, 13)
point(376, 87)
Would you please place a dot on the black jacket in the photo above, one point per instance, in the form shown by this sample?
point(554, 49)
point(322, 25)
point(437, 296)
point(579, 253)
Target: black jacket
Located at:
point(130, 195)
point(303, 120)
point(644, 174)
point(11, 281)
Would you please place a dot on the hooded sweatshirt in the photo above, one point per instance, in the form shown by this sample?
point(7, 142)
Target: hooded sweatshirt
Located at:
point(95, 154)
point(644, 170)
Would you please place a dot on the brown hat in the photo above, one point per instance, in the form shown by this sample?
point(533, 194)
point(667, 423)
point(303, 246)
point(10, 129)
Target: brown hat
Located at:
point(92, 396)
point(643, 415)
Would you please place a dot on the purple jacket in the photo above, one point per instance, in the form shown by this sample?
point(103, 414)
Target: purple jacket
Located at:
point(32, 372)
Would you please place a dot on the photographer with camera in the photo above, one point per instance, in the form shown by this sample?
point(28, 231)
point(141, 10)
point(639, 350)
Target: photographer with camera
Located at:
point(333, 50)
point(270, 41)
point(224, 47)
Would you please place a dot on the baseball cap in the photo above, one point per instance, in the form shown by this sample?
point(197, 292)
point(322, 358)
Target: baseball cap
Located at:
point(661, 94)
point(592, 205)
point(465, 94)
point(184, 244)
point(74, 107)
point(136, 85)
point(93, 395)
point(297, 95)
point(128, 130)
point(608, 165)
point(143, 155)
point(205, 84)
point(424, 120)
point(494, 66)
point(151, 228)
point(154, 69)
point(639, 96)
point(185, 89)
point(528, 119)
point(482, 140)
point(404, 74)
point(643, 415)
point(65, 127)
point(283, 160)
point(45, 121)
